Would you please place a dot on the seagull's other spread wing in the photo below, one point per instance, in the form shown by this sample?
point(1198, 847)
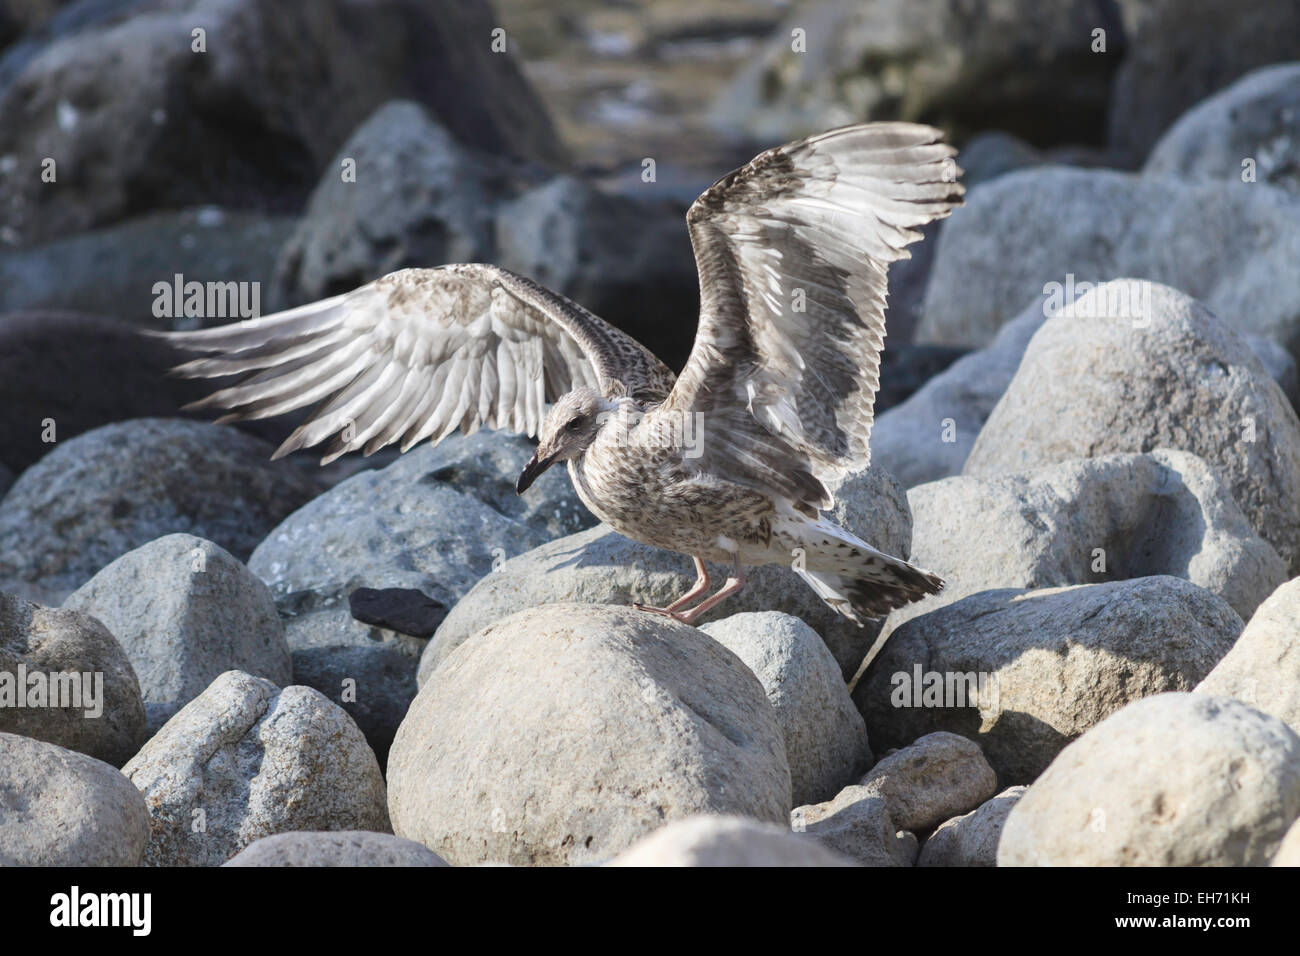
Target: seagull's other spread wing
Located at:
point(419, 354)
point(792, 251)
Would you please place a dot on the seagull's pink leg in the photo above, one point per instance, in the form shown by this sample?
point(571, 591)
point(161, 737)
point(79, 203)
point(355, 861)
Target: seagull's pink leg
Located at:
point(701, 585)
point(732, 585)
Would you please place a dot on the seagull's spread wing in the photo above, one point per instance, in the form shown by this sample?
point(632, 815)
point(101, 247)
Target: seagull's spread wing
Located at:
point(419, 354)
point(792, 251)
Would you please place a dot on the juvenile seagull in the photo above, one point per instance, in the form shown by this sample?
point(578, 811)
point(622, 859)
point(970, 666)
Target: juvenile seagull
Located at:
point(792, 251)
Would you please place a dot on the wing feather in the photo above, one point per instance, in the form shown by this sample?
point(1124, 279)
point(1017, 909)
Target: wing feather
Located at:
point(793, 251)
point(417, 354)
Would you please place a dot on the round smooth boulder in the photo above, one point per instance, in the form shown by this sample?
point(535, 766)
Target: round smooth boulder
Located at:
point(60, 808)
point(244, 760)
point(972, 838)
point(64, 679)
point(825, 737)
point(1133, 366)
point(1023, 673)
point(1173, 780)
point(186, 612)
point(337, 848)
point(562, 734)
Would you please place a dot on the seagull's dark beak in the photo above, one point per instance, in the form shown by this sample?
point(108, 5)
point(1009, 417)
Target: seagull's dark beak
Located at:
point(531, 470)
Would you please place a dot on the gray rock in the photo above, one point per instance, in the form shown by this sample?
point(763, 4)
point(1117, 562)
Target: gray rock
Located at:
point(710, 840)
point(185, 611)
point(246, 759)
point(1122, 388)
point(857, 824)
point(113, 272)
point(66, 809)
point(994, 153)
point(1085, 521)
point(1288, 854)
point(1005, 249)
point(825, 738)
point(1256, 118)
point(1263, 667)
point(1023, 673)
point(600, 566)
point(602, 724)
point(436, 520)
point(931, 779)
point(971, 839)
point(71, 656)
point(337, 848)
point(102, 494)
point(1205, 44)
point(961, 67)
point(1174, 780)
point(119, 88)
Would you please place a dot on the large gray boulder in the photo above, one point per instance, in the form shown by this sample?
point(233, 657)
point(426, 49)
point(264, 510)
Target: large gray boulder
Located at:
point(337, 848)
point(186, 612)
point(62, 808)
point(716, 840)
point(600, 566)
point(1288, 854)
point(1023, 673)
point(971, 839)
point(99, 495)
point(931, 779)
point(1089, 520)
point(246, 759)
point(71, 657)
point(1202, 45)
point(1170, 374)
point(436, 521)
point(139, 119)
point(825, 738)
point(1253, 119)
point(1263, 667)
point(1005, 249)
point(566, 732)
point(1174, 780)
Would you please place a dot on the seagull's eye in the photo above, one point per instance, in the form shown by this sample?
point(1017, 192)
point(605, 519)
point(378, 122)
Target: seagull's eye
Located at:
point(574, 424)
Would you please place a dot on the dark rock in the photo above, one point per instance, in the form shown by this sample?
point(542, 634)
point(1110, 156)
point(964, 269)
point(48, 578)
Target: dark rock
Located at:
point(1181, 51)
point(905, 368)
point(405, 610)
point(136, 120)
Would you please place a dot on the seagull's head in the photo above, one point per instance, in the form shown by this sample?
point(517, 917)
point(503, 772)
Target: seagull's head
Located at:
point(569, 428)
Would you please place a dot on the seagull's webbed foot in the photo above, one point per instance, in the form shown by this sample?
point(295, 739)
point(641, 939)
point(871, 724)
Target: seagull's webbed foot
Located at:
point(732, 585)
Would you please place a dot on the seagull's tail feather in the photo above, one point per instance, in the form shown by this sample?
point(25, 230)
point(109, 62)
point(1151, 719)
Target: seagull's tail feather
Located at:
point(855, 579)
